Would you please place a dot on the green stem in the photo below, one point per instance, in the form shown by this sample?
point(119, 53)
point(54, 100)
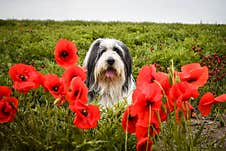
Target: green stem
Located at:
point(149, 125)
point(127, 121)
point(173, 74)
point(163, 91)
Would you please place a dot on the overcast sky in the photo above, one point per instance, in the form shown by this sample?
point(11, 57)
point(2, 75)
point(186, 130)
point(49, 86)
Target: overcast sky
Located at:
point(185, 11)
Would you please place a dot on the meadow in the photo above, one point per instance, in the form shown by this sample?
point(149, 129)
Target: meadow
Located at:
point(41, 125)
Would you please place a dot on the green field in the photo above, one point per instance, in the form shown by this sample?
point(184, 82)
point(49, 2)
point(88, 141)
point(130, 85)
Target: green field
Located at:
point(40, 125)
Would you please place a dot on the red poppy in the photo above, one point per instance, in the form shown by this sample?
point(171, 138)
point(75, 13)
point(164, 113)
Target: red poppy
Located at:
point(194, 74)
point(146, 119)
point(72, 72)
point(87, 116)
point(65, 53)
point(42, 81)
point(8, 109)
point(163, 79)
point(25, 77)
point(149, 95)
point(55, 86)
point(129, 120)
point(147, 102)
point(144, 144)
point(78, 91)
point(163, 113)
point(184, 108)
point(220, 99)
point(184, 111)
point(183, 91)
point(144, 122)
point(148, 75)
point(5, 91)
point(205, 103)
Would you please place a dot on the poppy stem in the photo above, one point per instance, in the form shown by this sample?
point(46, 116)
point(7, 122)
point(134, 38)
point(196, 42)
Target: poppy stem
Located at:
point(149, 126)
point(163, 91)
point(126, 139)
point(25, 102)
point(172, 73)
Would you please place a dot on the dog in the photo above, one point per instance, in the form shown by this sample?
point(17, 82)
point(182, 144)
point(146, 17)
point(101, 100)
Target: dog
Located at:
point(109, 72)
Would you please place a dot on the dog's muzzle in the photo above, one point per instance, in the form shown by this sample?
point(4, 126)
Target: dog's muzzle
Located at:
point(110, 61)
point(111, 71)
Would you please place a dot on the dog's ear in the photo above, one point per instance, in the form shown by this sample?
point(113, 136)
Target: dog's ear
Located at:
point(93, 48)
point(90, 62)
point(127, 59)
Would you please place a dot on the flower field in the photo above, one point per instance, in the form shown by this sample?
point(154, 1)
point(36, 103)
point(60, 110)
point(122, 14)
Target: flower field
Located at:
point(178, 104)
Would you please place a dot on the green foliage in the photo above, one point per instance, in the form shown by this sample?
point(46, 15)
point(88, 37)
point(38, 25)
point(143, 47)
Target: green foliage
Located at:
point(39, 125)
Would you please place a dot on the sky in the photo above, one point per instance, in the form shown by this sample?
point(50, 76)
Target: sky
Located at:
point(163, 11)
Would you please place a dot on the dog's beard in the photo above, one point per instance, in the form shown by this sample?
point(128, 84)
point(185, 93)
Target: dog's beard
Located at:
point(110, 73)
point(110, 76)
point(110, 82)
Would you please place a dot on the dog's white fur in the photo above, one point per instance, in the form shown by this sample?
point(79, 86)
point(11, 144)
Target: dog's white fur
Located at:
point(121, 84)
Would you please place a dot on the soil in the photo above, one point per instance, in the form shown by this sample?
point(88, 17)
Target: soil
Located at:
point(214, 130)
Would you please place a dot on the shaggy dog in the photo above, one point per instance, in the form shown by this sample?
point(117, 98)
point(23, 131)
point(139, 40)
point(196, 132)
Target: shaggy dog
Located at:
point(109, 72)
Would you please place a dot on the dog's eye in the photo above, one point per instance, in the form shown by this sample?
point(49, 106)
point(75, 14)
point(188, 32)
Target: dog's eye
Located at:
point(116, 50)
point(119, 52)
point(102, 51)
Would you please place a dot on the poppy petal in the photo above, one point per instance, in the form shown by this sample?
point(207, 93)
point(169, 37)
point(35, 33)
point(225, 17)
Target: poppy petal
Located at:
point(221, 98)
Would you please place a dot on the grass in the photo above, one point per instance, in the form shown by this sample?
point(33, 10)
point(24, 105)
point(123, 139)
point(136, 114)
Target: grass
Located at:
point(40, 125)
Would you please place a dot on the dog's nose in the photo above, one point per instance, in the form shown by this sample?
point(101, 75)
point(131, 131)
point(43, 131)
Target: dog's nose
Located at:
point(111, 61)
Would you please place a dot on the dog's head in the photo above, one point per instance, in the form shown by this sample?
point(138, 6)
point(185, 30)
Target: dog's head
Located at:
point(108, 62)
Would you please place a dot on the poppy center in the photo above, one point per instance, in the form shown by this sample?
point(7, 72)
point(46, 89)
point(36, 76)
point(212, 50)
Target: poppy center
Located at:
point(55, 88)
point(6, 109)
point(85, 113)
point(73, 76)
point(131, 118)
point(143, 146)
point(22, 77)
point(152, 79)
point(76, 93)
point(149, 103)
point(64, 54)
point(191, 80)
